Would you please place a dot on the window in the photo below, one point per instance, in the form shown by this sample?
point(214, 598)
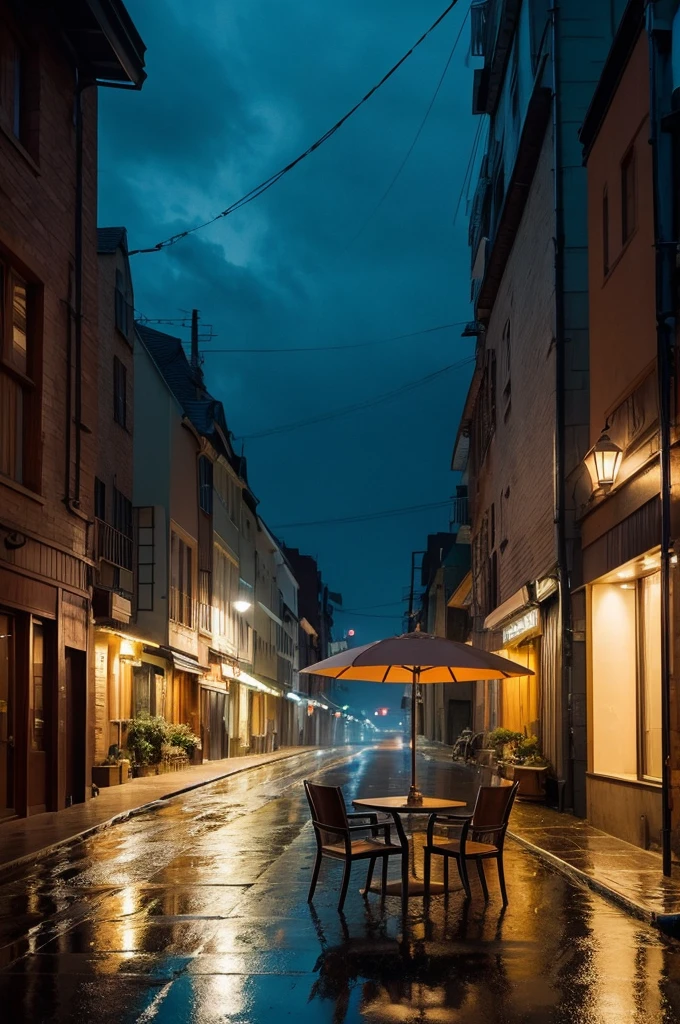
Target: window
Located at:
point(505, 365)
point(145, 558)
point(205, 484)
point(100, 499)
point(626, 660)
point(121, 305)
point(484, 423)
point(628, 196)
point(11, 82)
point(181, 581)
point(119, 392)
point(122, 513)
point(148, 690)
point(37, 690)
point(17, 373)
point(605, 232)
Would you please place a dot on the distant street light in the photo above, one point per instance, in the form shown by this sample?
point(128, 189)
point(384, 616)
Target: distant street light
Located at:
point(241, 606)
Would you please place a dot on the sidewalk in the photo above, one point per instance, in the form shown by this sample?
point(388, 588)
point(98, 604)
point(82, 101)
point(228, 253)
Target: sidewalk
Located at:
point(23, 838)
point(625, 874)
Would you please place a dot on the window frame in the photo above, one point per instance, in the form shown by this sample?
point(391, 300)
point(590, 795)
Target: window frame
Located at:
point(119, 392)
point(606, 261)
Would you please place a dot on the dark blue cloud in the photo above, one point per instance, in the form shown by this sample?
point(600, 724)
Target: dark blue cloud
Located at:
point(234, 92)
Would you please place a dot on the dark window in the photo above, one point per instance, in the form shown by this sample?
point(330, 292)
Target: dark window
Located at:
point(17, 373)
point(122, 513)
point(119, 392)
point(205, 484)
point(122, 306)
point(181, 581)
point(11, 81)
point(145, 558)
point(605, 232)
point(628, 196)
point(100, 499)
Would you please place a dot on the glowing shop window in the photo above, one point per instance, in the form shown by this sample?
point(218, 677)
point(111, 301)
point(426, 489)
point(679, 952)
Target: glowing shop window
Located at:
point(614, 680)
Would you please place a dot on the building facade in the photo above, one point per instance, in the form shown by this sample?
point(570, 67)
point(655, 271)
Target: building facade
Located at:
point(51, 62)
point(524, 429)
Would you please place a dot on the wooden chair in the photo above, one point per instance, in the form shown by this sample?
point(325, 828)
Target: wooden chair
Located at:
point(481, 837)
point(334, 831)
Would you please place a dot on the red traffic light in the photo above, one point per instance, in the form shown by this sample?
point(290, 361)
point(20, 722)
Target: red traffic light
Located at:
point(382, 711)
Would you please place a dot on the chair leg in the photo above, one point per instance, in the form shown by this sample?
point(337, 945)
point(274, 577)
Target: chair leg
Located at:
point(426, 871)
point(345, 883)
point(315, 876)
point(462, 871)
point(482, 878)
point(385, 866)
point(369, 876)
point(446, 874)
point(501, 880)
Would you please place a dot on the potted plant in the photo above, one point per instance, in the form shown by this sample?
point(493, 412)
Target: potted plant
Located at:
point(146, 736)
point(503, 741)
point(528, 767)
point(107, 773)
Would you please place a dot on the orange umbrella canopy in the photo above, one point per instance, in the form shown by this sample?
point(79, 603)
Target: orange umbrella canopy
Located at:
point(430, 659)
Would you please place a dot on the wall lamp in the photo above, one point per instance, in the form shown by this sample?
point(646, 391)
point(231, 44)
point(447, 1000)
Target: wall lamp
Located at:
point(604, 461)
point(242, 606)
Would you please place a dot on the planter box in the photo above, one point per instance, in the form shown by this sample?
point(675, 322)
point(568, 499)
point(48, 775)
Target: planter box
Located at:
point(105, 775)
point(144, 771)
point(531, 781)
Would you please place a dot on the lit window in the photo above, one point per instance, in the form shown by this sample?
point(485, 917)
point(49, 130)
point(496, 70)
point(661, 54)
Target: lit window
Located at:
point(17, 369)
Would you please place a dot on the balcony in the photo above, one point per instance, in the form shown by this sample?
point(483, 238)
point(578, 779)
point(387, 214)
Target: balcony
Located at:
point(478, 16)
point(460, 512)
point(493, 29)
point(112, 545)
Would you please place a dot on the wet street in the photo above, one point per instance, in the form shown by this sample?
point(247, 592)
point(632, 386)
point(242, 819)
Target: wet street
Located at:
point(197, 912)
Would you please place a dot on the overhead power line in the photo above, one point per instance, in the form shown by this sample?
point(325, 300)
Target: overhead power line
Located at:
point(414, 143)
point(267, 184)
point(338, 348)
point(365, 516)
point(357, 406)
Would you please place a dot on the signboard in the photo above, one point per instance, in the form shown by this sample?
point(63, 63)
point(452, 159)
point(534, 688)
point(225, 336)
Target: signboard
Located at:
point(526, 623)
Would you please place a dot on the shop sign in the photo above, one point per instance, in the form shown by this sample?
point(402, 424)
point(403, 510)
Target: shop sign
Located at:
point(526, 623)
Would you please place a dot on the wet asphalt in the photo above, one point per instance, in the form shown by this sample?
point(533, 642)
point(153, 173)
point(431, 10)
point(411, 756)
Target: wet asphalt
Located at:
point(197, 912)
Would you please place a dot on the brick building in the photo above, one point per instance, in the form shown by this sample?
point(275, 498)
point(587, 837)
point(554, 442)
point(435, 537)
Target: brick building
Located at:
point(51, 60)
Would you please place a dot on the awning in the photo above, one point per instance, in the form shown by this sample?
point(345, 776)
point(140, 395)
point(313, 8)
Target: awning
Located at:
point(509, 608)
point(183, 663)
point(462, 595)
point(308, 628)
point(239, 676)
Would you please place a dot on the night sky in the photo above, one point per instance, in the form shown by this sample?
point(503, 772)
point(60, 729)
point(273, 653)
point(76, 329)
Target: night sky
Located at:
point(235, 91)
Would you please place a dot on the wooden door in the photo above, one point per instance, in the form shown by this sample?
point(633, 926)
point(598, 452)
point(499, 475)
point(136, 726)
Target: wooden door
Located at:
point(7, 725)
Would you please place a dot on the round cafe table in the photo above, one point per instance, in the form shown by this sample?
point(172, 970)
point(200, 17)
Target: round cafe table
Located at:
point(396, 806)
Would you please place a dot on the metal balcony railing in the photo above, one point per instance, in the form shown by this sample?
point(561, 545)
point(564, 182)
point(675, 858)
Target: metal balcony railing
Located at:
point(460, 513)
point(112, 545)
point(478, 17)
point(182, 608)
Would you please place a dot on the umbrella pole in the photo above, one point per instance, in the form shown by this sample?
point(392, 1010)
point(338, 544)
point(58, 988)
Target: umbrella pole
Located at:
point(415, 797)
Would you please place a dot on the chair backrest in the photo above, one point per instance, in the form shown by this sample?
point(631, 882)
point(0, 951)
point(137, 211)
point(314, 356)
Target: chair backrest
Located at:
point(327, 805)
point(493, 805)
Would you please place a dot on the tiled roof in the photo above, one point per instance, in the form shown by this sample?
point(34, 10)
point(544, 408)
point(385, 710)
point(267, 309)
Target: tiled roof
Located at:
point(110, 239)
point(198, 404)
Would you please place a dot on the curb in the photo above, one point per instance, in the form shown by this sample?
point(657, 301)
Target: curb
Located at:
point(152, 805)
point(589, 882)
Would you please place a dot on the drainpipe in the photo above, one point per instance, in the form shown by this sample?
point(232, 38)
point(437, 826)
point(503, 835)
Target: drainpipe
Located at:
point(564, 611)
point(78, 289)
point(660, 86)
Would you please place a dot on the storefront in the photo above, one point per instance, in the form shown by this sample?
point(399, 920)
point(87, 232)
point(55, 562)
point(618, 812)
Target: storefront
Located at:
point(254, 713)
point(624, 699)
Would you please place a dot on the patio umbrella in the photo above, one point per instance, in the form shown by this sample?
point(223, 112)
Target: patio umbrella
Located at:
point(416, 658)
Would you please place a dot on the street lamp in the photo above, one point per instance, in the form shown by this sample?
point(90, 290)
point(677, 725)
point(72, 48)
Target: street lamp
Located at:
point(604, 461)
point(241, 606)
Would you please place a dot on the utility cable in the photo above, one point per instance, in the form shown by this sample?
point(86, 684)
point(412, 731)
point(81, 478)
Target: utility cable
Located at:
point(339, 348)
point(274, 178)
point(365, 516)
point(357, 406)
point(414, 143)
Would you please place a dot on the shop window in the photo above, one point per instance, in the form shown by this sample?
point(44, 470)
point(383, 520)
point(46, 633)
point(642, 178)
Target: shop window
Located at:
point(626, 683)
point(37, 689)
point(148, 691)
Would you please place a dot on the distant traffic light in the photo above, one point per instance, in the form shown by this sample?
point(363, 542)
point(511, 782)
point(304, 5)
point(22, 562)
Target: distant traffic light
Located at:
point(382, 711)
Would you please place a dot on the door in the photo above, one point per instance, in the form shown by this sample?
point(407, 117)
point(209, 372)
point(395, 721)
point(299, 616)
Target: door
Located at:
point(459, 718)
point(7, 802)
point(76, 738)
point(214, 732)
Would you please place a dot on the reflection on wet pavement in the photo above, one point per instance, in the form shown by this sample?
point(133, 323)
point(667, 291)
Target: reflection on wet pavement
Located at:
point(197, 912)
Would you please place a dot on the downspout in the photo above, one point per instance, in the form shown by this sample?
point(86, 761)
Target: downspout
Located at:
point(564, 609)
point(665, 253)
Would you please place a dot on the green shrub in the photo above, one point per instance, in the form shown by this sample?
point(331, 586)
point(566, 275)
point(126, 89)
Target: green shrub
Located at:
point(182, 736)
point(145, 738)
